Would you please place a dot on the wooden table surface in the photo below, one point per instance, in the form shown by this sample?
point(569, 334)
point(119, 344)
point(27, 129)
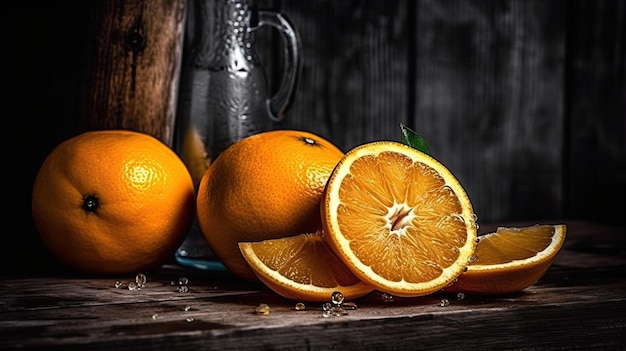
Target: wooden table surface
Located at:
point(579, 304)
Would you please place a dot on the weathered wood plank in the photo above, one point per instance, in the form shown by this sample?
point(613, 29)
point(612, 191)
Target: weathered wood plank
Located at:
point(483, 80)
point(354, 76)
point(131, 66)
point(508, 327)
point(489, 101)
point(596, 103)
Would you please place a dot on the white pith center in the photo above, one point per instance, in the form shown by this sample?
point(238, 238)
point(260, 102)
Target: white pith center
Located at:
point(399, 217)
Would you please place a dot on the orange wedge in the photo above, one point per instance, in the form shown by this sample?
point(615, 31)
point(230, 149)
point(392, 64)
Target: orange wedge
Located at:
point(302, 268)
point(398, 219)
point(511, 259)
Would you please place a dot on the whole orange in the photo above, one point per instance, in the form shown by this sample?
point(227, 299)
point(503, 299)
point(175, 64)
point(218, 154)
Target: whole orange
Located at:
point(266, 186)
point(113, 201)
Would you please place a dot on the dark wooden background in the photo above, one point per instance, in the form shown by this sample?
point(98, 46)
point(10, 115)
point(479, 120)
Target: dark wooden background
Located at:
point(524, 100)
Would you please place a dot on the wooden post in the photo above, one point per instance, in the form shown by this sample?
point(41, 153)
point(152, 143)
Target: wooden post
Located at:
point(132, 64)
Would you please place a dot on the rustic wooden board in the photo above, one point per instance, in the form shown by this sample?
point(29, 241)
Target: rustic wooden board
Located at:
point(355, 72)
point(482, 82)
point(508, 94)
point(131, 66)
point(579, 304)
point(488, 76)
point(596, 106)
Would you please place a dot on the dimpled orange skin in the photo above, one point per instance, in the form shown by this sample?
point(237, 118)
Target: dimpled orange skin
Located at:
point(265, 186)
point(145, 202)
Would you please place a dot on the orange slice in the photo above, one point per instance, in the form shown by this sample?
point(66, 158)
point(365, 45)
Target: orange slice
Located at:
point(302, 268)
point(511, 259)
point(398, 219)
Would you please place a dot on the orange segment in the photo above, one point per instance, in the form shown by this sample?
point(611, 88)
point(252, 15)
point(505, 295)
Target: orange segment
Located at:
point(301, 268)
point(511, 259)
point(398, 219)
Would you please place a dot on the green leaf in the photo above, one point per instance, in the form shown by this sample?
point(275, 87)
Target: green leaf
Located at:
point(413, 140)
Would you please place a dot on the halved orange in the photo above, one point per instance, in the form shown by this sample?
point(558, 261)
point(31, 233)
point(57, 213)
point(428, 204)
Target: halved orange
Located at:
point(398, 219)
point(511, 259)
point(302, 268)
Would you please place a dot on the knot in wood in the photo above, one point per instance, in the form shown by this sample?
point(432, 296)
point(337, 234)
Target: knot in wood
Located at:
point(135, 41)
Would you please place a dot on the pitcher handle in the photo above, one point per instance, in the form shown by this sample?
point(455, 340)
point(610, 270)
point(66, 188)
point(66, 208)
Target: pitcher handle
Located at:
point(278, 104)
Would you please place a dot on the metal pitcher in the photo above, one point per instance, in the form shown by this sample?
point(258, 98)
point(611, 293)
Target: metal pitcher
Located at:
point(224, 94)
